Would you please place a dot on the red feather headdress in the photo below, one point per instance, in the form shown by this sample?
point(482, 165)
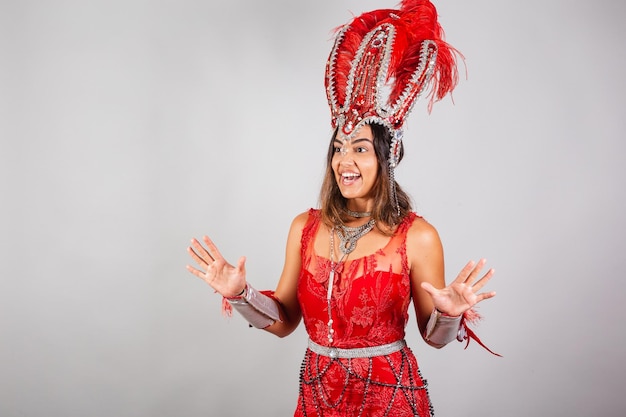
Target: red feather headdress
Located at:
point(382, 61)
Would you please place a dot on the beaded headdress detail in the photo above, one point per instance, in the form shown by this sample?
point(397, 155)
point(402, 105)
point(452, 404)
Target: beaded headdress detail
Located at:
point(400, 52)
point(381, 63)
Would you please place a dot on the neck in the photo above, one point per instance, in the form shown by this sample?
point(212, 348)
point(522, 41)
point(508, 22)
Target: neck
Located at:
point(360, 205)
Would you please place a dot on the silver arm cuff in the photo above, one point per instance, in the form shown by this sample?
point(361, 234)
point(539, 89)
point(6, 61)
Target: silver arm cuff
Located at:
point(258, 309)
point(441, 329)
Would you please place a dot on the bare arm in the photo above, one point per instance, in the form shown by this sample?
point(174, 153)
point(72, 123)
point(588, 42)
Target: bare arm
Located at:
point(429, 291)
point(425, 256)
point(287, 285)
point(230, 281)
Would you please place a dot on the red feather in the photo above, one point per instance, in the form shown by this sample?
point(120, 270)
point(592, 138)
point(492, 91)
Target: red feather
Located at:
point(414, 23)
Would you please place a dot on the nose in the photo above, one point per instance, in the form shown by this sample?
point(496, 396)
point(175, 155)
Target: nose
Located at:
point(345, 158)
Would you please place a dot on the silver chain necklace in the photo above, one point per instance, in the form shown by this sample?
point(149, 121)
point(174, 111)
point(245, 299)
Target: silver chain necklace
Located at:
point(348, 237)
point(358, 214)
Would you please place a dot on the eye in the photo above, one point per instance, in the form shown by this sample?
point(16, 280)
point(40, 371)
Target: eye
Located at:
point(336, 149)
point(361, 149)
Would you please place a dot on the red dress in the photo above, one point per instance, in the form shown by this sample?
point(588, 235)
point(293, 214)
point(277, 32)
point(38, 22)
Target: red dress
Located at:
point(369, 304)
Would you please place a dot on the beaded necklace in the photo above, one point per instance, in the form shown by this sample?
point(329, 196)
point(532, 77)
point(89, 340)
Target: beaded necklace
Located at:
point(348, 237)
point(358, 214)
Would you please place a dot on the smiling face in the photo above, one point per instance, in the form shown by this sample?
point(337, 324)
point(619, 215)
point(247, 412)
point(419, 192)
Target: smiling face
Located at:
point(359, 179)
point(355, 166)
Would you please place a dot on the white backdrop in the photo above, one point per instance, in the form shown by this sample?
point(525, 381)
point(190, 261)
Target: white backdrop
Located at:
point(127, 127)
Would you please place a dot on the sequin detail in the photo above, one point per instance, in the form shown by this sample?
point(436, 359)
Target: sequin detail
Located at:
point(364, 98)
point(370, 301)
point(332, 387)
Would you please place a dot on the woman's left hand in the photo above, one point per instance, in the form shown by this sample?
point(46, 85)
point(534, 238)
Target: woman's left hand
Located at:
point(462, 294)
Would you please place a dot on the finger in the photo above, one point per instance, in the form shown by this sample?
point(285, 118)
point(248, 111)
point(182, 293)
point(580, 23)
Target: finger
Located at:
point(213, 251)
point(485, 296)
point(241, 265)
point(476, 271)
point(484, 280)
point(195, 272)
point(197, 258)
point(429, 288)
point(465, 272)
point(201, 251)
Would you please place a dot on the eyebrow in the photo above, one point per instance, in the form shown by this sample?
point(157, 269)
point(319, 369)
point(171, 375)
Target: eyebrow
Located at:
point(355, 141)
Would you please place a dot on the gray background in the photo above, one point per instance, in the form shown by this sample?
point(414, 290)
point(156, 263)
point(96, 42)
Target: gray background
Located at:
point(127, 127)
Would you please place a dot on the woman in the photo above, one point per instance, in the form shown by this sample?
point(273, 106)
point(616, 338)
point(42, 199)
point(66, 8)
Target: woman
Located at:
point(353, 266)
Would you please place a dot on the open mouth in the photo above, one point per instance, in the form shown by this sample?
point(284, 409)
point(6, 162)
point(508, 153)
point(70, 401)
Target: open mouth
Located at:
point(349, 178)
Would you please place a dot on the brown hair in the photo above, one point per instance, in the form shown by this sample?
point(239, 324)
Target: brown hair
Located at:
point(333, 204)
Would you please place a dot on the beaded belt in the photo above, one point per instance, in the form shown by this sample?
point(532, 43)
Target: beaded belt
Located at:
point(363, 352)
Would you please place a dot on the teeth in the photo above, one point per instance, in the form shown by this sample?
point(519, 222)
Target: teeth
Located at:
point(350, 175)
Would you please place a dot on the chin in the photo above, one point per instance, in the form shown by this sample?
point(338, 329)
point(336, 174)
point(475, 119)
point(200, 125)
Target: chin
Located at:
point(352, 195)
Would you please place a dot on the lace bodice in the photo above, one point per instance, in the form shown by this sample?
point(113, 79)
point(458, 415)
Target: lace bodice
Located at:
point(370, 297)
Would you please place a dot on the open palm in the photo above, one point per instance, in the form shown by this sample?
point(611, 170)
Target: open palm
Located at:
point(224, 278)
point(462, 293)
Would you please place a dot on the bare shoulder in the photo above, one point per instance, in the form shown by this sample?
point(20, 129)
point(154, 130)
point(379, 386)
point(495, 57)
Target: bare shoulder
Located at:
point(422, 240)
point(422, 233)
point(300, 220)
point(425, 253)
point(297, 225)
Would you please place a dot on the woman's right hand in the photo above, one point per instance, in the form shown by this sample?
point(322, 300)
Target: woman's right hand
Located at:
point(224, 278)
